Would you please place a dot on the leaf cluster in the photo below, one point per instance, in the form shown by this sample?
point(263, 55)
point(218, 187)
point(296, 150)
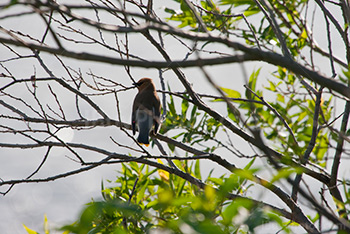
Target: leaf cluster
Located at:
point(189, 124)
point(141, 201)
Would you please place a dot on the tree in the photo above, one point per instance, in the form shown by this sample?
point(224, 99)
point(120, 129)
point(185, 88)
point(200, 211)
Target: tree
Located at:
point(288, 128)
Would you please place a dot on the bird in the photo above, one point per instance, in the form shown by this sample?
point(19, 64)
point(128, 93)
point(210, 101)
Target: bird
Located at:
point(145, 110)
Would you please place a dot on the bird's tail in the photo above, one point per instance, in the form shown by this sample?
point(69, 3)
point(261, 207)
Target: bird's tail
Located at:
point(143, 139)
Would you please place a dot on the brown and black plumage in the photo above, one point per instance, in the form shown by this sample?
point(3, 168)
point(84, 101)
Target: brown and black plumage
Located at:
point(146, 110)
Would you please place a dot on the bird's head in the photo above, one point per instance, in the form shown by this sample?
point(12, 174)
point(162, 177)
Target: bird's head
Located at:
point(145, 83)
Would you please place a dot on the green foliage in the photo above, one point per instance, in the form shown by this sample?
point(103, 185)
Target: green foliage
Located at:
point(298, 111)
point(223, 20)
point(195, 127)
point(145, 201)
point(213, 18)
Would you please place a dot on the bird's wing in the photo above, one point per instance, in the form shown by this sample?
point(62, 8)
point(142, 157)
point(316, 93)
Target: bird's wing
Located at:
point(135, 106)
point(156, 114)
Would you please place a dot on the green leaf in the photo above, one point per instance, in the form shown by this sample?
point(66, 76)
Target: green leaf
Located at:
point(140, 195)
point(229, 184)
point(245, 174)
point(280, 97)
point(184, 107)
point(216, 181)
point(29, 231)
point(46, 225)
point(252, 83)
point(284, 173)
point(171, 106)
point(230, 212)
point(180, 187)
point(168, 10)
point(272, 86)
point(197, 171)
point(301, 115)
point(231, 93)
point(171, 147)
point(247, 167)
point(321, 147)
point(276, 218)
point(184, 7)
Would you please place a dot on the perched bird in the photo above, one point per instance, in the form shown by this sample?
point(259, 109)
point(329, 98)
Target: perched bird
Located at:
point(145, 110)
